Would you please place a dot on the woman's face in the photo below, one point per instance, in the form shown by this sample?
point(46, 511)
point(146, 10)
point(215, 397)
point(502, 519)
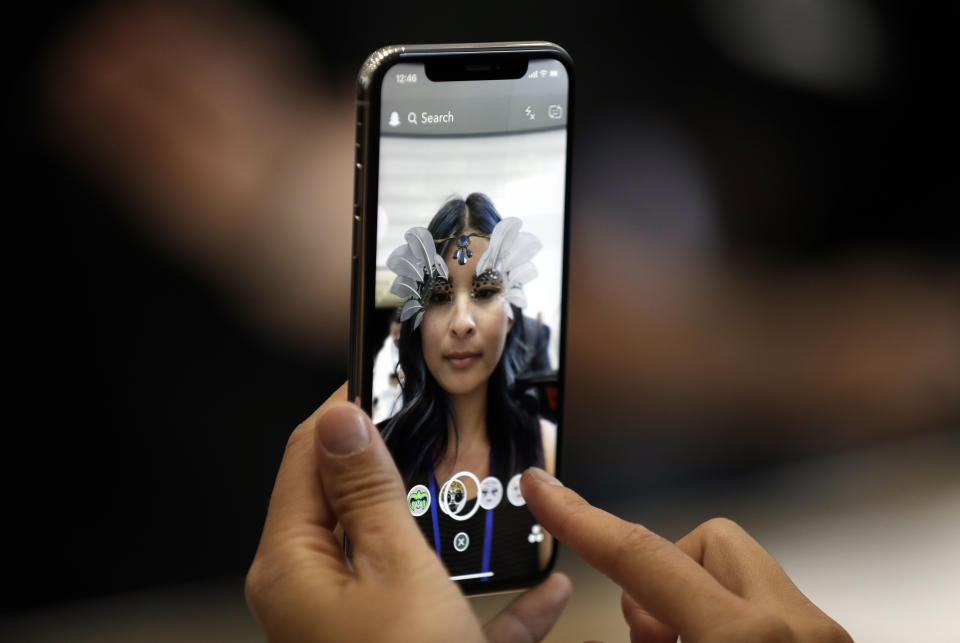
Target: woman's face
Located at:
point(464, 327)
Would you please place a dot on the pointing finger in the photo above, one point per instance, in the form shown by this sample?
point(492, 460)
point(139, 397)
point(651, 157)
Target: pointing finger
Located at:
point(668, 583)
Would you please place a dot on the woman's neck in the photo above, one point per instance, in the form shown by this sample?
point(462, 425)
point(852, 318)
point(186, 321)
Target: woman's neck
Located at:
point(470, 414)
point(467, 442)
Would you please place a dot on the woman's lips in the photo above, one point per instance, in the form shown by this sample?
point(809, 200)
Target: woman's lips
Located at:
point(462, 360)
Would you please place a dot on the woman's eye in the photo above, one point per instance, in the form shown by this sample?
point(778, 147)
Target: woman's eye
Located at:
point(439, 297)
point(486, 293)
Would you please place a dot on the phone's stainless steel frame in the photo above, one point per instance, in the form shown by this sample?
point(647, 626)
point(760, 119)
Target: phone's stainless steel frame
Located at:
point(366, 170)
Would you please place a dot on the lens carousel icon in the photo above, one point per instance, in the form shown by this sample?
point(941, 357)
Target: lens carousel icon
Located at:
point(491, 492)
point(514, 495)
point(453, 496)
point(418, 499)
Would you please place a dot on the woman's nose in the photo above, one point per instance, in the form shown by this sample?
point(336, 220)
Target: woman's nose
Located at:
point(462, 324)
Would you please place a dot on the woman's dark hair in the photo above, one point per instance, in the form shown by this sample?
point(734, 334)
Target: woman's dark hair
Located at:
point(417, 434)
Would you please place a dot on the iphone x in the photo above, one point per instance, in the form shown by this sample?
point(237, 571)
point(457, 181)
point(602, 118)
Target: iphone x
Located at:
point(459, 293)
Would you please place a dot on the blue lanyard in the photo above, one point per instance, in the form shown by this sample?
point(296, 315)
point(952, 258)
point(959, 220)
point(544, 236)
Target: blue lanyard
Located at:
point(488, 527)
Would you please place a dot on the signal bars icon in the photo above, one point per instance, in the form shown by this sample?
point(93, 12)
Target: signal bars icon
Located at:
point(542, 73)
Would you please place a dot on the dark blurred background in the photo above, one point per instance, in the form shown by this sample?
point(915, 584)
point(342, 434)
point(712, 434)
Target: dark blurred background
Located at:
point(765, 255)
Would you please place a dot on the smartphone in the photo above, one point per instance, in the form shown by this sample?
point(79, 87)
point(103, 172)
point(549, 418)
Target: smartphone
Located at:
point(459, 293)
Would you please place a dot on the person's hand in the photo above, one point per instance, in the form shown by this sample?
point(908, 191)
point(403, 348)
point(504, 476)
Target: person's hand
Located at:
point(715, 584)
point(300, 587)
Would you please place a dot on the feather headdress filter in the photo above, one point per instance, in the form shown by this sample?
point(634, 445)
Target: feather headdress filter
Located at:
point(509, 253)
point(416, 265)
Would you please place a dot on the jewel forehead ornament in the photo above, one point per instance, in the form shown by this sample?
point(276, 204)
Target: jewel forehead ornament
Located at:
point(418, 266)
point(463, 251)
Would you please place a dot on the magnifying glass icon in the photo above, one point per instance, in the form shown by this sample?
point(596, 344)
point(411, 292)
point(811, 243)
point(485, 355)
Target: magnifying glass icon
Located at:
point(412, 118)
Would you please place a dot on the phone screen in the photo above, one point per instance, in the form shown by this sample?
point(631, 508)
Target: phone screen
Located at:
point(469, 302)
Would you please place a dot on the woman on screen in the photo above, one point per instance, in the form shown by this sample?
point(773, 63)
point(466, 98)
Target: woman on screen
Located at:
point(462, 438)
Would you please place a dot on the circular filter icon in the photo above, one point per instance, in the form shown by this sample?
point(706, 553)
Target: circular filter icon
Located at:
point(491, 492)
point(418, 499)
point(452, 497)
point(514, 495)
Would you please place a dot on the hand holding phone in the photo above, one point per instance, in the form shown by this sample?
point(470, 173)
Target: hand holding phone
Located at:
point(459, 290)
point(336, 469)
point(461, 334)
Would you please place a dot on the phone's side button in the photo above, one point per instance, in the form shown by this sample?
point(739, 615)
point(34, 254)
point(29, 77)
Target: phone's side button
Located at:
point(357, 178)
point(356, 233)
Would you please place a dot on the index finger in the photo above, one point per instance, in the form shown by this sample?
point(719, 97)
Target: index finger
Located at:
point(661, 577)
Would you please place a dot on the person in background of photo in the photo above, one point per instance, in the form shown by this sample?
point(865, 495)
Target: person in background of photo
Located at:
point(387, 395)
point(536, 341)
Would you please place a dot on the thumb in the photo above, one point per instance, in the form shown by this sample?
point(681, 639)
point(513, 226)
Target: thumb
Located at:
point(365, 493)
